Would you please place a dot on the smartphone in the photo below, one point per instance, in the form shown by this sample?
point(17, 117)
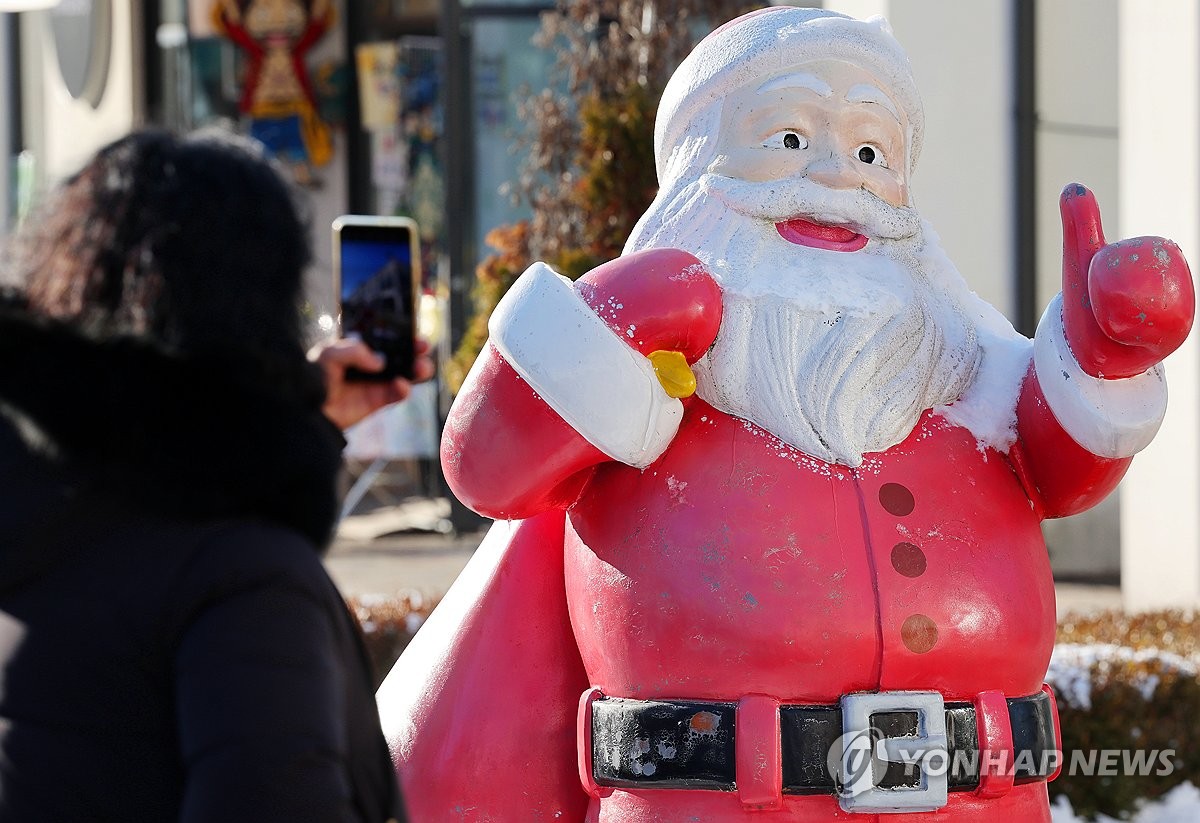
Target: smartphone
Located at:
point(376, 274)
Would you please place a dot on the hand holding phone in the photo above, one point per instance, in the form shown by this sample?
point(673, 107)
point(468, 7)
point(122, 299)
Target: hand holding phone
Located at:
point(376, 274)
point(347, 402)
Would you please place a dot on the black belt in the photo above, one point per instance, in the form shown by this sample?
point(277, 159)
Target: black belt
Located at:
point(648, 744)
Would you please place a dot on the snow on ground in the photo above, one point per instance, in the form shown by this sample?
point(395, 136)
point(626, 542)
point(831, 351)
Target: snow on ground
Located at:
point(1180, 805)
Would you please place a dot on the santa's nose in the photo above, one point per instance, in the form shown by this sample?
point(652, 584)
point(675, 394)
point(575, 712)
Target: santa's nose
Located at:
point(834, 171)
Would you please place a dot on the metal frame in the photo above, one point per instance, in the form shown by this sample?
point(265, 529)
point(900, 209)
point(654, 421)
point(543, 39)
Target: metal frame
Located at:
point(1025, 184)
point(13, 140)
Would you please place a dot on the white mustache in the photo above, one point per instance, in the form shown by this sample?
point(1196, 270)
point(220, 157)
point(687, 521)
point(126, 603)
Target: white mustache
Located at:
point(798, 196)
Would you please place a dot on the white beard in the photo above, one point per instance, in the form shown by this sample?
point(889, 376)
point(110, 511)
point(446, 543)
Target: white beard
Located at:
point(836, 353)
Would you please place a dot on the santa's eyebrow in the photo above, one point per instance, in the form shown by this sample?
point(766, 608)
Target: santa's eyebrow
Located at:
point(801, 80)
point(866, 93)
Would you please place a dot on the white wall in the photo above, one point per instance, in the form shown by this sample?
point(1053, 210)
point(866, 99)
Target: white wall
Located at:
point(1077, 132)
point(961, 54)
point(1077, 107)
point(63, 132)
point(1160, 194)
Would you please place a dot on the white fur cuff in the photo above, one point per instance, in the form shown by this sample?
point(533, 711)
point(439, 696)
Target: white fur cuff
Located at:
point(594, 380)
point(1109, 418)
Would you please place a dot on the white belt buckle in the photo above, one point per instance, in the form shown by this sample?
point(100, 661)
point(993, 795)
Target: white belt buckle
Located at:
point(866, 753)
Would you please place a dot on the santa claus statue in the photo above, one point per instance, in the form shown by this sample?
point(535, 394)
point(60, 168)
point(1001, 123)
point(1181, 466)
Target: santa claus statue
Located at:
point(769, 486)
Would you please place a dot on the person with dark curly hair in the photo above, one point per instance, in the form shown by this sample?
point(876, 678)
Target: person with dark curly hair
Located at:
point(171, 647)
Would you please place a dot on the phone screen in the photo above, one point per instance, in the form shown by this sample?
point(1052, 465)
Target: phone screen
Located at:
point(377, 283)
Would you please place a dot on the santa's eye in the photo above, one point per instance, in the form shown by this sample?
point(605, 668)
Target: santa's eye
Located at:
point(786, 140)
point(871, 155)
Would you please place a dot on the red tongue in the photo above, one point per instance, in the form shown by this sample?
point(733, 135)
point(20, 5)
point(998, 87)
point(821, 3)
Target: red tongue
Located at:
point(834, 234)
point(815, 235)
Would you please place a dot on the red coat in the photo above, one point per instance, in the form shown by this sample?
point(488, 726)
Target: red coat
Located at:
point(732, 565)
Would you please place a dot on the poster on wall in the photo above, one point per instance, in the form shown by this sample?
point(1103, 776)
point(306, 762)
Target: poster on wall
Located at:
point(422, 127)
point(277, 95)
point(389, 167)
point(378, 85)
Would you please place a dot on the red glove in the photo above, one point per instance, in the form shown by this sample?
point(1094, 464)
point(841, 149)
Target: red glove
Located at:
point(1126, 305)
point(657, 300)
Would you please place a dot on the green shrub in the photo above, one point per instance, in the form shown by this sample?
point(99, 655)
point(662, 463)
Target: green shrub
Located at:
point(1127, 683)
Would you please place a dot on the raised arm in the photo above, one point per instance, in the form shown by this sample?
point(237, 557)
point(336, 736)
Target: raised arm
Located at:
point(1095, 394)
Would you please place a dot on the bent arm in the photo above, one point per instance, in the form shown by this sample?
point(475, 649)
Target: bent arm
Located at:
point(1077, 434)
point(507, 454)
point(554, 393)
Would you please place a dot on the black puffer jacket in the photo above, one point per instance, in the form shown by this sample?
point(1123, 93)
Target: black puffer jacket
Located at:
point(171, 648)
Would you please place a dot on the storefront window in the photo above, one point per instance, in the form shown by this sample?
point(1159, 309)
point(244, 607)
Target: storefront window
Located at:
point(504, 66)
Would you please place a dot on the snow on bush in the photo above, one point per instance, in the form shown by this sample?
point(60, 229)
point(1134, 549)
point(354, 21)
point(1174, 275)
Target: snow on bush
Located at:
point(1075, 668)
point(1180, 805)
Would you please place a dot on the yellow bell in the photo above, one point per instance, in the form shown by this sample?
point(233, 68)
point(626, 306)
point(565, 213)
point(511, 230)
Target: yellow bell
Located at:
point(672, 370)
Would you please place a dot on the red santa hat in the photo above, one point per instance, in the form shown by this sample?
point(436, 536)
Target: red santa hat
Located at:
point(764, 42)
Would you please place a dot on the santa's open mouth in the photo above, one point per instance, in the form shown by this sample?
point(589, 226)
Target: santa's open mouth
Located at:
point(820, 236)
